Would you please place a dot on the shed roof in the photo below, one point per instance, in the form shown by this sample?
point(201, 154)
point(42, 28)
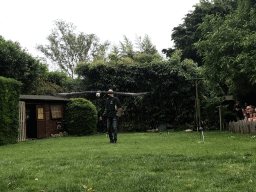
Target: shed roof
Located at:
point(42, 97)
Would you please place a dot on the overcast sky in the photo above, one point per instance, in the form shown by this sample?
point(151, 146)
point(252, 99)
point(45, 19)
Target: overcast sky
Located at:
point(30, 21)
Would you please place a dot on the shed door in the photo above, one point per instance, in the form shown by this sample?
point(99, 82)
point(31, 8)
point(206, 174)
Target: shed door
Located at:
point(41, 122)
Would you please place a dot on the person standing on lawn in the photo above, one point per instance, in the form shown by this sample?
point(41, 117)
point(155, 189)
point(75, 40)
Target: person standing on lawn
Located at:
point(112, 119)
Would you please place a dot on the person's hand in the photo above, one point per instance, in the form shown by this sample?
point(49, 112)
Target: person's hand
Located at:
point(100, 118)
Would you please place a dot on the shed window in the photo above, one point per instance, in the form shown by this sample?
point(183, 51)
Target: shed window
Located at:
point(56, 111)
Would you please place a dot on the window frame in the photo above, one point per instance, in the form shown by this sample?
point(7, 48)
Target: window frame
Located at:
point(40, 113)
point(53, 115)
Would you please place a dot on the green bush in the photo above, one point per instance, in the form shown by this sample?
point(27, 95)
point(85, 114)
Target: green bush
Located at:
point(9, 110)
point(81, 117)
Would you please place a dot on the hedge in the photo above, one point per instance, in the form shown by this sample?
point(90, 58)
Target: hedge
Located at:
point(9, 110)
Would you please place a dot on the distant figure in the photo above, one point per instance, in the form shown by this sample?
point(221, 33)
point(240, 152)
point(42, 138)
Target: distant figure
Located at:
point(238, 111)
point(112, 120)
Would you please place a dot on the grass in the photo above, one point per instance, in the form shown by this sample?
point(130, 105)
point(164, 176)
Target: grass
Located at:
point(139, 162)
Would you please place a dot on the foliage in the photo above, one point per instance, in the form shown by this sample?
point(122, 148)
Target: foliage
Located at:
point(170, 94)
point(66, 48)
point(136, 116)
point(57, 77)
point(145, 49)
point(146, 58)
point(186, 68)
point(228, 48)
point(126, 48)
point(210, 110)
point(228, 116)
point(64, 82)
point(42, 86)
point(9, 113)
point(171, 98)
point(145, 45)
point(54, 82)
point(73, 85)
point(16, 63)
point(81, 117)
point(113, 57)
point(188, 33)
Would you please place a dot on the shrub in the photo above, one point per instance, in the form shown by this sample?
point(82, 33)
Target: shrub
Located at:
point(9, 113)
point(81, 117)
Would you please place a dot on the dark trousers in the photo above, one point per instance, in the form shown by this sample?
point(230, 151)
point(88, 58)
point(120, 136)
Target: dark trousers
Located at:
point(112, 125)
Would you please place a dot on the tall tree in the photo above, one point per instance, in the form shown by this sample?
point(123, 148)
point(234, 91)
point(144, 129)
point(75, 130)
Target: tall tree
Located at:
point(126, 47)
point(228, 48)
point(188, 33)
point(16, 63)
point(145, 45)
point(100, 52)
point(66, 48)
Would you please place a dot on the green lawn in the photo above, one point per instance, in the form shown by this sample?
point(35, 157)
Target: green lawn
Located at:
point(139, 162)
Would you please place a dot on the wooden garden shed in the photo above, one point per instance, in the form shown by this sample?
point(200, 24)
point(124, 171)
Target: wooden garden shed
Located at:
point(41, 115)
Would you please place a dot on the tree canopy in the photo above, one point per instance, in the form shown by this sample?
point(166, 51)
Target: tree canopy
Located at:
point(16, 63)
point(66, 48)
point(188, 33)
point(126, 48)
point(228, 48)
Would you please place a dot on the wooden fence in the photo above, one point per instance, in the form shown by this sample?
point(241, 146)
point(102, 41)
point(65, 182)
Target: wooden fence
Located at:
point(242, 127)
point(22, 122)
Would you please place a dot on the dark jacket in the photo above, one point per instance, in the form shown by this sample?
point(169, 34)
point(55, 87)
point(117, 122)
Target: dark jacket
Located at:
point(109, 109)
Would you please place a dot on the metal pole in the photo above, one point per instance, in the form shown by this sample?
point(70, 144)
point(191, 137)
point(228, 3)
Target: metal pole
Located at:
point(198, 115)
point(197, 104)
point(220, 117)
point(196, 108)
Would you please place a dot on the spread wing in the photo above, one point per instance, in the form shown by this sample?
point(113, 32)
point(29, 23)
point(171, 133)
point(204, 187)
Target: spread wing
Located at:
point(114, 92)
